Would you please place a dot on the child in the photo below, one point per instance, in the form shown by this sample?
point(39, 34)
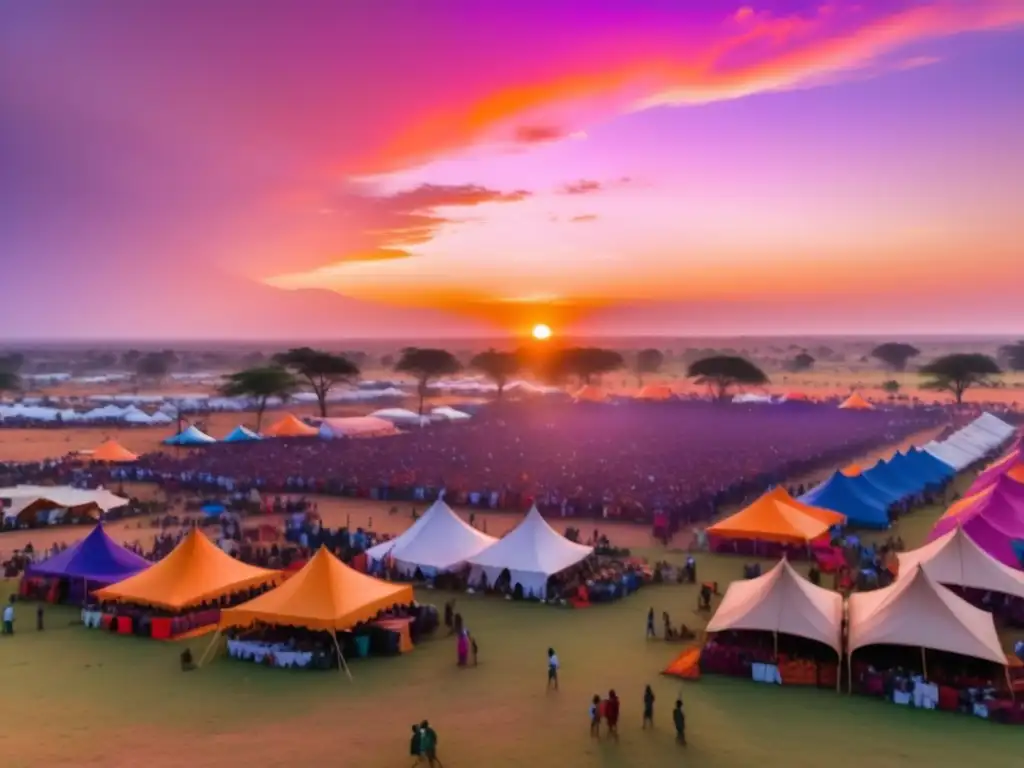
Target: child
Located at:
point(648, 707)
point(595, 717)
point(611, 714)
point(680, 722)
point(552, 669)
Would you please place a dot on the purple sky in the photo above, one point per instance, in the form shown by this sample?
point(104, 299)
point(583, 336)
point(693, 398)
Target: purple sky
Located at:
point(418, 166)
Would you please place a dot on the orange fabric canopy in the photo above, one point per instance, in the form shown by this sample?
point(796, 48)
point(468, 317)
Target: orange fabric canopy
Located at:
point(856, 403)
point(113, 451)
point(290, 426)
point(853, 470)
point(326, 594)
point(780, 518)
point(656, 392)
point(589, 394)
point(196, 570)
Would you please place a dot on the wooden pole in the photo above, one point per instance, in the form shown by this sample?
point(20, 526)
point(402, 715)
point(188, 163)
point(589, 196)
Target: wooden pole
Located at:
point(216, 637)
point(849, 671)
point(924, 663)
point(341, 657)
point(775, 641)
point(1009, 683)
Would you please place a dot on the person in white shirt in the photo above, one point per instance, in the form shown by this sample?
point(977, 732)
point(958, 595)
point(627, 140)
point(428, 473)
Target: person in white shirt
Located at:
point(552, 669)
point(9, 617)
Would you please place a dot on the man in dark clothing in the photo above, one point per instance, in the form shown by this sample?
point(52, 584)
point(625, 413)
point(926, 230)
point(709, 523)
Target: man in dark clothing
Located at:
point(650, 624)
point(679, 719)
point(416, 745)
point(430, 744)
point(39, 617)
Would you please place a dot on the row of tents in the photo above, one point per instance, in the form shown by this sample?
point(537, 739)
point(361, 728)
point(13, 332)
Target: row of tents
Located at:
point(974, 442)
point(660, 392)
point(917, 610)
point(442, 541)
point(106, 414)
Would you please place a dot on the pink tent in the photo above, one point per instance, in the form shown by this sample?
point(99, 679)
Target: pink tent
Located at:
point(1010, 466)
point(994, 519)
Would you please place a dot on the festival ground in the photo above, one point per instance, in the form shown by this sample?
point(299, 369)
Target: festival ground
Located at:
point(123, 700)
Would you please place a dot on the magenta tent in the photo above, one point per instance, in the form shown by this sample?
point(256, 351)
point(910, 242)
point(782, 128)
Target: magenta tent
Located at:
point(994, 519)
point(1010, 466)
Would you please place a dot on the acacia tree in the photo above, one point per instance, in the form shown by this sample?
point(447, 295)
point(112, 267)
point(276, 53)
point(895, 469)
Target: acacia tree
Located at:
point(891, 388)
point(723, 372)
point(1013, 355)
point(647, 361)
point(586, 362)
point(426, 365)
point(895, 354)
point(959, 372)
point(260, 384)
point(499, 367)
point(321, 370)
point(802, 362)
point(9, 381)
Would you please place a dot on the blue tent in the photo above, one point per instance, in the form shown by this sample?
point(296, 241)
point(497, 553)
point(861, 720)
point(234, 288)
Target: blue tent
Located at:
point(96, 558)
point(900, 481)
point(938, 467)
point(881, 495)
point(190, 436)
point(928, 473)
point(842, 494)
point(213, 509)
point(241, 434)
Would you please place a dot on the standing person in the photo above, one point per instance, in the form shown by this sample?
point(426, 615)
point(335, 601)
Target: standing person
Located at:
point(430, 744)
point(648, 707)
point(552, 669)
point(679, 719)
point(611, 714)
point(650, 624)
point(463, 648)
point(449, 616)
point(473, 648)
point(9, 617)
point(416, 745)
point(39, 617)
point(595, 717)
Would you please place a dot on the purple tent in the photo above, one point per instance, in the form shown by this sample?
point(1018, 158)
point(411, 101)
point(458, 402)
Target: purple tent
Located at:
point(97, 559)
point(995, 520)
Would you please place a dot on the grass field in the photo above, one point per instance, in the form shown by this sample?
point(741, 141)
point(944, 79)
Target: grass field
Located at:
point(78, 697)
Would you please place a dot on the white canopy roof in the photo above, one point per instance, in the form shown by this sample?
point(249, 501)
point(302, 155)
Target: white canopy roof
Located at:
point(532, 552)
point(956, 559)
point(917, 611)
point(440, 540)
point(356, 426)
point(782, 600)
point(450, 413)
point(973, 442)
point(22, 496)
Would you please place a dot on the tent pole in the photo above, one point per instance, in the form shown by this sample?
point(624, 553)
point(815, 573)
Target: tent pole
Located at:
point(342, 666)
point(849, 671)
point(775, 641)
point(924, 663)
point(839, 673)
point(216, 637)
point(1009, 683)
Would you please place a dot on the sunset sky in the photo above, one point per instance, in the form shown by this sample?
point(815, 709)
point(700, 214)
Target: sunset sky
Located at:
point(185, 169)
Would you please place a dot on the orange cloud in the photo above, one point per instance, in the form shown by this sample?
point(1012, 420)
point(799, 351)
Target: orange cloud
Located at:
point(584, 218)
point(538, 134)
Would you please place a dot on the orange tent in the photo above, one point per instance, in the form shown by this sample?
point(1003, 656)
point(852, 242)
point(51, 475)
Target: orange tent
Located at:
point(325, 595)
point(589, 394)
point(195, 571)
point(290, 426)
point(853, 470)
point(114, 452)
point(856, 403)
point(797, 396)
point(686, 665)
point(656, 392)
point(780, 518)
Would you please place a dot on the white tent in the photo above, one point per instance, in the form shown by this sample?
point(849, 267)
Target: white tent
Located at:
point(438, 541)
point(401, 416)
point(356, 426)
point(135, 416)
point(22, 496)
point(782, 600)
point(160, 418)
point(451, 414)
point(919, 612)
point(747, 398)
point(956, 559)
point(972, 443)
point(532, 552)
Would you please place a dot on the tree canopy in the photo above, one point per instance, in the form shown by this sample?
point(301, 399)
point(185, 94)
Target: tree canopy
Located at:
point(895, 354)
point(12, 362)
point(585, 362)
point(425, 365)
point(499, 367)
point(155, 365)
point(320, 370)
point(1013, 355)
point(647, 361)
point(9, 381)
point(959, 372)
point(261, 384)
point(802, 362)
point(723, 372)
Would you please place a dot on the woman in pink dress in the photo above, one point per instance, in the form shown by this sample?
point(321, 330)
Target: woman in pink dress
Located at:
point(463, 647)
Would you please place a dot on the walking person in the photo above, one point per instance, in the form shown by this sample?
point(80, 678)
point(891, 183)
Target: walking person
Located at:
point(679, 719)
point(611, 714)
point(9, 617)
point(430, 744)
point(595, 717)
point(463, 648)
point(648, 708)
point(650, 624)
point(473, 649)
point(416, 745)
point(552, 669)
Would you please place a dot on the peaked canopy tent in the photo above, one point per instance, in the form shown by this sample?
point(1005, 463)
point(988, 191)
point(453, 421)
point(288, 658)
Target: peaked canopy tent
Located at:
point(779, 518)
point(446, 412)
point(532, 552)
point(241, 434)
point(401, 416)
point(195, 571)
point(97, 558)
point(994, 519)
point(929, 465)
point(24, 500)
point(357, 426)
point(589, 394)
point(918, 612)
point(190, 436)
point(914, 473)
point(851, 497)
point(290, 426)
point(113, 452)
point(1010, 466)
point(324, 595)
point(856, 403)
point(972, 443)
point(887, 477)
point(955, 558)
point(782, 601)
point(439, 541)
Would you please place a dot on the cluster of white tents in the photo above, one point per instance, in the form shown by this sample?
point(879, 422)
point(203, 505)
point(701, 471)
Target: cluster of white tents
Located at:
point(972, 443)
point(917, 610)
point(56, 500)
point(442, 541)
point(106, 414)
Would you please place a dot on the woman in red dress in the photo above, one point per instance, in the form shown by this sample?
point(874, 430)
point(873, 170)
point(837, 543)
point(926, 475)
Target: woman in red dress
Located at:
point(611, 715)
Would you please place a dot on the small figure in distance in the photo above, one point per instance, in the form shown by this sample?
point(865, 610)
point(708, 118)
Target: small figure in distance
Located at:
point(552, 669)
point(648, 707)
point(679, 719)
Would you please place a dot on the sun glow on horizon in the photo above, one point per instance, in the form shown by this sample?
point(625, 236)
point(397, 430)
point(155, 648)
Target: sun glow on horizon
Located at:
point(541, 332)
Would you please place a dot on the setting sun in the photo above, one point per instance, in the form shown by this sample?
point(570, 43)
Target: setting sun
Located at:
point(541, 332)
